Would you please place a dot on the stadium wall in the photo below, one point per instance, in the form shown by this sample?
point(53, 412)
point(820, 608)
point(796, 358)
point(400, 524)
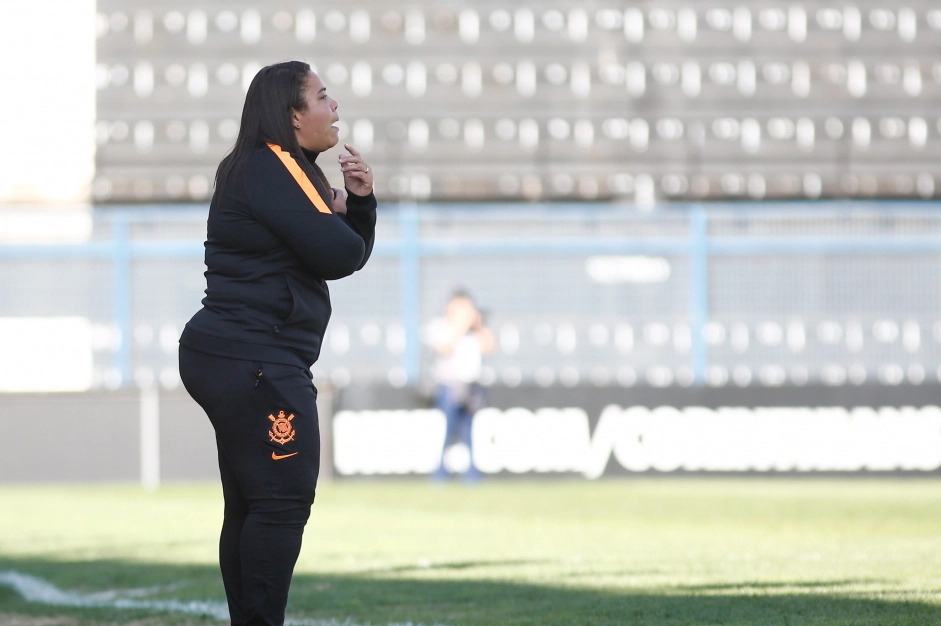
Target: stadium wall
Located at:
point(747, 306)
point(382, 431)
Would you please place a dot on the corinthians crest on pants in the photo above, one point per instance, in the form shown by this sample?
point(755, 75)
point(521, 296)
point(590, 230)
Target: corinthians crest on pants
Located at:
point(282, 431)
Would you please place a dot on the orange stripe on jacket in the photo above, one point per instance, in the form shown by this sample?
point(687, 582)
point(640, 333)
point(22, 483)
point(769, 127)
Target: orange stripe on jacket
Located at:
point(306, 186)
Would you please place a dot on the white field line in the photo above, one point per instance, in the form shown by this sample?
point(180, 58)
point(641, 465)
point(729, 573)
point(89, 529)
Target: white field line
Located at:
point(34, 589)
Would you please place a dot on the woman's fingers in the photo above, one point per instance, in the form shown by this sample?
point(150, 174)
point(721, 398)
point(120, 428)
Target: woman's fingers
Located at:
point(353, 162)
point(356, 171)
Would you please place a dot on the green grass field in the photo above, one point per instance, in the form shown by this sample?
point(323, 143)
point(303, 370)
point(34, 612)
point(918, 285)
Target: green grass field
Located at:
point(635, 551)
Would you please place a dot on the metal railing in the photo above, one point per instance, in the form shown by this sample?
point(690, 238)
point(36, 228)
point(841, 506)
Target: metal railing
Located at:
point(414, 241)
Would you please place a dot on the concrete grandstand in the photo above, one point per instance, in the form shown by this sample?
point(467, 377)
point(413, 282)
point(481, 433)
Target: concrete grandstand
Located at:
point(601, 100)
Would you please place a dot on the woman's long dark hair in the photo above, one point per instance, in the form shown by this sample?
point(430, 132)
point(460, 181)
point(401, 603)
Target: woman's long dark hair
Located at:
point(266, 117)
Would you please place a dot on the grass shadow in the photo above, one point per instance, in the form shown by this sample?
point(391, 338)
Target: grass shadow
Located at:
point(801, 584)
point(452, 565)
point(380, 598)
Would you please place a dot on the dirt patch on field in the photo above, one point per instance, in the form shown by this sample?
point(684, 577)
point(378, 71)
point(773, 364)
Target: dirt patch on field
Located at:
point(11, 619)
point(157, 621)
point(8, 619)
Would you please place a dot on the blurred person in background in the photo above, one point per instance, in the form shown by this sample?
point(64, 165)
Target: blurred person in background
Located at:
point(460, 340)
point(276, 233)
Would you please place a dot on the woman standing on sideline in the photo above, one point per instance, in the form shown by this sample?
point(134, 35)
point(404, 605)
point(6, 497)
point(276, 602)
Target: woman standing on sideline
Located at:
point(276, 233)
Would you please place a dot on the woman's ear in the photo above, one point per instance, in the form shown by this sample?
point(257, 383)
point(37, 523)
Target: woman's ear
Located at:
point(295, 119)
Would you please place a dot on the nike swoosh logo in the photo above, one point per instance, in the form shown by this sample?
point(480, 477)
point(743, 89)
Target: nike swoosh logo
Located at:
point(278, 457)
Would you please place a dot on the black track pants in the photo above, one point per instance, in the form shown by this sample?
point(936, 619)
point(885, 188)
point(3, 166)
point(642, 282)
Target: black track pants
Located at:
point(268, 438)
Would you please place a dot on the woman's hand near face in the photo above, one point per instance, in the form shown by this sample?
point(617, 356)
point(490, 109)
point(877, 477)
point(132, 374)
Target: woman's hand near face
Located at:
point(357, 176)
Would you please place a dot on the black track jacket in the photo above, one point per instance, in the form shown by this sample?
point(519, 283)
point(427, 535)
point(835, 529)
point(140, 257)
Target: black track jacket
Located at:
point(272, 243)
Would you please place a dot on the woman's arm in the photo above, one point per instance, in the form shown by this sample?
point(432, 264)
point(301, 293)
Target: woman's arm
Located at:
point(328, 245)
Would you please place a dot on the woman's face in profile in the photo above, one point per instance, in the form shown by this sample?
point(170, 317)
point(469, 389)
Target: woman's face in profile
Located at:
point(317, 132)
